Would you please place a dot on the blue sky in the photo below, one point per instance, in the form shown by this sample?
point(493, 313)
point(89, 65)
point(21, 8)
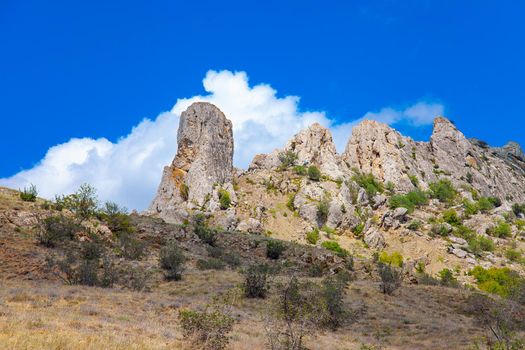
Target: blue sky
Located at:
point(96, 69)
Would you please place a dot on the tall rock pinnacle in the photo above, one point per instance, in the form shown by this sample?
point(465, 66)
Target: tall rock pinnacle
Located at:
point(204, 159)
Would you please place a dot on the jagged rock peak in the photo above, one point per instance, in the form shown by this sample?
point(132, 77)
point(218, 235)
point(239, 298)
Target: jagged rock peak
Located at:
point(315, 146)
point(514, 149)
point(204, 158)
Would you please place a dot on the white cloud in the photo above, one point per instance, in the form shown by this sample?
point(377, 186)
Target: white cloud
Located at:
point(128, 171)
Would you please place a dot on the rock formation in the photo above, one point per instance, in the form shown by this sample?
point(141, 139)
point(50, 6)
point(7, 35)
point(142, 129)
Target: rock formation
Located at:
point(204, 161)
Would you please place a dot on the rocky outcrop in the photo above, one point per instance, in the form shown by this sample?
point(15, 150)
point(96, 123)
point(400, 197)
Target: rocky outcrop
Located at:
point(204, 162)
point(313, 146)
point(378, 149)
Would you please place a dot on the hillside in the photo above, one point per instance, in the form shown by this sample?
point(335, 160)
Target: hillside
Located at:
point(394, 244)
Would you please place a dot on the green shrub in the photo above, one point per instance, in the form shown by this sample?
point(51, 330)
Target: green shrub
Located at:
point(220, 253)
point(501, 230)
point(414, 225)
point(313, 173)
point(207, 329)
point(116, 218)
point(131, 247)
point(439, 230)
point(358, 230)
point(172, 259)
point(500, 281)
point(394, 259)
point(443, 190)
point(184, 191)
point(335, 247)
point(518, 209)
point(484, 204)
point(224, 199)
point(55, 229)
point(496, 202)
point(391, 278)
point(409, 201)
point(451, 216)
point(274, 249)
point(256, 282)
point(471, 208)
point(367, 181)
point(290, 202)
point(333, 309)
point(201, 229)
point(287, 159)
point(210, 264)
point(29, 194)
point(414, 180)
point(513, 255)
point(479, 244)
point(300, 170)
point(447, 278)
point(313, 236)
point(323, 208)
point(83, 203)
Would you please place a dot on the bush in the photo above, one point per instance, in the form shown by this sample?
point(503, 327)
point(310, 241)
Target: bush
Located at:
point(29, 194)
point(131, 248)
point(451, 216)
point(367, 181)
point(210, 264)
point(227, 257)
point(484, 204)
point(500, 281)
point(290, 202)
point(443, 190)
point(256, 282)
point(313, 236)
point(209, 329)
point(518, 209)
point(394, 259)
point(224, 199)
point(335, 247)
point(172, 259)
point(54, 229)
point(287, 159)
point(332, 300)
point(300, 170)
point(410, 201)
point(501, 230)
point(513, 255)
point(323, 208)
point(414, 225)
point(479, 244)
point(274, 249)
point(358, 230)
point(439, 230)
point(116, 218)
point(184, 191)
point(313, 173)
point(201, 229)
point(447, 278)
point(84, 202)
point(391, 278)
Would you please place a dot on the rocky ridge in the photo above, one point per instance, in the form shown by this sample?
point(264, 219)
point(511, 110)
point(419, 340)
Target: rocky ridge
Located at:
point(277, 196)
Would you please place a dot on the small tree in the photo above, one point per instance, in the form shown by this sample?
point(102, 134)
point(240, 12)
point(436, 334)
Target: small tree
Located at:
point(201, 229)
point(172, 261)
point(287, 159)
point(391, 278)
point(256, 282)
point(274, 249)
point(313, 173)
point(224, 199)
point(29, 194)
point(55, 229)
point(209, 328)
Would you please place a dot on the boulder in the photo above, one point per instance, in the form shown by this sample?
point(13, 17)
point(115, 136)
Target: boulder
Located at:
point(374, 239)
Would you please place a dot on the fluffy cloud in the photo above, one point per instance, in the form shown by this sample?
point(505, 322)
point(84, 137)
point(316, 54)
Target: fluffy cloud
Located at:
point(128, 171)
